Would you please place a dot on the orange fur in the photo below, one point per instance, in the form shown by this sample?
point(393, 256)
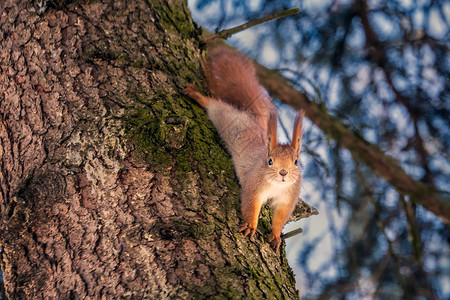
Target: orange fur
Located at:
point(280, 216)
point(298, 132)
point(231, 78)
point(272, 132)
point(246, 119)
point(251, 207)
point(192, 92)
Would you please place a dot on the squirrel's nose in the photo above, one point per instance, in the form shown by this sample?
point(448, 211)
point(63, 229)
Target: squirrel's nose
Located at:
point(283, 172)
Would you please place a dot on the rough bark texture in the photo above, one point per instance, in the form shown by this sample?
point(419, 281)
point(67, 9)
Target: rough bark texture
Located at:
point(113, 184)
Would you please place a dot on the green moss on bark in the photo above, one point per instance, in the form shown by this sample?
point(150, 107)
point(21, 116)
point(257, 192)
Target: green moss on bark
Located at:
point(172, 134)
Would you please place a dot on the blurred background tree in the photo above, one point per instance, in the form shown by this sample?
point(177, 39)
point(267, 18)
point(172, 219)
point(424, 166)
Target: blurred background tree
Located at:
point(383, 68)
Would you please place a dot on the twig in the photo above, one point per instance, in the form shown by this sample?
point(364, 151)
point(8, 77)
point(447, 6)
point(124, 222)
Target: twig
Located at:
point(226, 33)
point(292, 233)
point(302, 210)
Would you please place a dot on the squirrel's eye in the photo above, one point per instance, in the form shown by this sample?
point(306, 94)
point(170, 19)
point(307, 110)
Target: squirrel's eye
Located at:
point(270, 162)
point(296, 162)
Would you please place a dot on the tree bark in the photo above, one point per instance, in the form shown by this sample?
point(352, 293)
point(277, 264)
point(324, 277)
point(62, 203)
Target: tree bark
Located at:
point(113, 184)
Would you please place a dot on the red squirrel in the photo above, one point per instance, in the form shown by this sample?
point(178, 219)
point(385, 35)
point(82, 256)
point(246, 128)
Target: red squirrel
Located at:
point(246, 119)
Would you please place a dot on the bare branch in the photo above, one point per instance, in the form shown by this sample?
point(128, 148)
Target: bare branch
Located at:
point(292, 233)
point(379, 53)
point(226, 33)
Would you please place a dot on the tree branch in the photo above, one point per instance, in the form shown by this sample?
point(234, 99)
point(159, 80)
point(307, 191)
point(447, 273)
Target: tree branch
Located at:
point(379, 53)
point(226, 33)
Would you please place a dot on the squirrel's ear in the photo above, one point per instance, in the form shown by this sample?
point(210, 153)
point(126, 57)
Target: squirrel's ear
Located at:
point(298, 132)
point(272, 131)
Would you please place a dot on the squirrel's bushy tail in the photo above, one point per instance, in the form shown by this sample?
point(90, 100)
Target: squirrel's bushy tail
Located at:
point(231, 78)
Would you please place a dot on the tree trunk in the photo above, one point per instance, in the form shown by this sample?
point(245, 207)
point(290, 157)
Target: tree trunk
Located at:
point(114, 184)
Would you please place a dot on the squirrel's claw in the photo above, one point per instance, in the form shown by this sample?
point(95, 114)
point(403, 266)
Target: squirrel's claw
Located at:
point(246, 230)
point(275, 242)
point(190, 89)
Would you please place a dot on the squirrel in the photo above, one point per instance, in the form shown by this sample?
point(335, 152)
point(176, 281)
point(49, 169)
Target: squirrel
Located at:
point(246, 120)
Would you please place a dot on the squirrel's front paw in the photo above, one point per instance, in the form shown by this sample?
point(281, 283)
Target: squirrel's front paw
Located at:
point(247, 229)
point(275, 242)
point(190, 89)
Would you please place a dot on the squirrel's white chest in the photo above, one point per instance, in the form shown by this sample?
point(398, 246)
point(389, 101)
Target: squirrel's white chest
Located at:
point(278, 192)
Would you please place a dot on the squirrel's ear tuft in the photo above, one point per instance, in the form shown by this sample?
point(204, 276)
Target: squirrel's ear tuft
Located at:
point(272, 131)
point(298, 132)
